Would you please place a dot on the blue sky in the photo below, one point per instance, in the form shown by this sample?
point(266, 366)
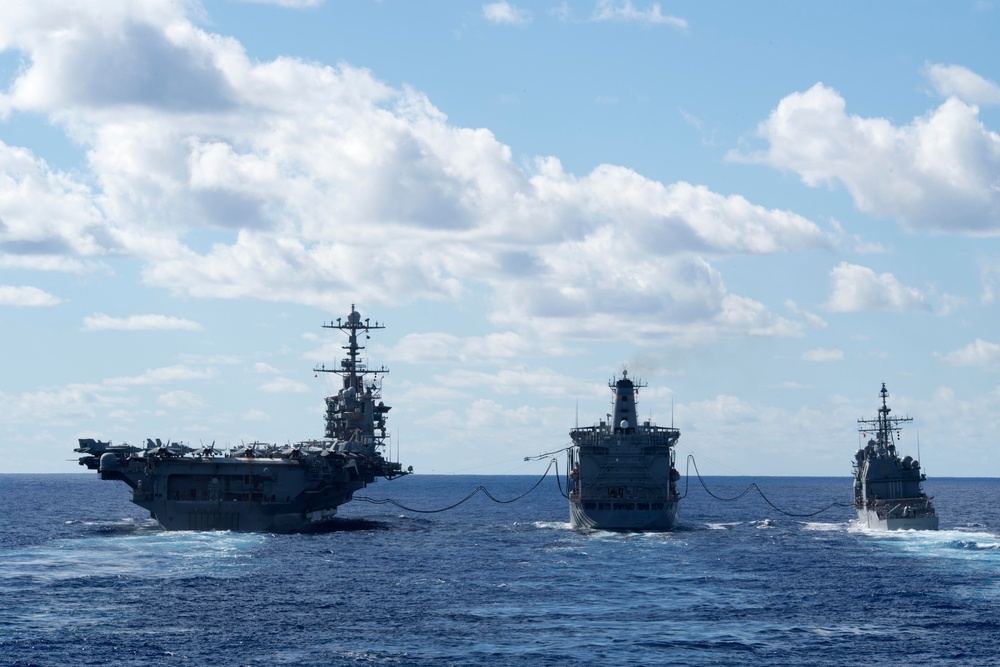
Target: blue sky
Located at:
point(764, 210)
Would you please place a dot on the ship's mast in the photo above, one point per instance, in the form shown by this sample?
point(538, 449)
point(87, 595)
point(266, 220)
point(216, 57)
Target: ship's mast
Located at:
point(884, 424)
point(624, 392)
point(351, 369)
point(637, 384)
point(352, 415)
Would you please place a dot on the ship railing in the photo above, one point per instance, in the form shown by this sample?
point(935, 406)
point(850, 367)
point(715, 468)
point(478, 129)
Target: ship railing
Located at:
point(662, 430)
point(898, 507)
point(619, 492)
point(601, 438)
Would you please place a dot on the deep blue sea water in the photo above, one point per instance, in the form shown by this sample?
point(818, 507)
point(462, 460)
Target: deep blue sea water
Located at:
point(87, 579)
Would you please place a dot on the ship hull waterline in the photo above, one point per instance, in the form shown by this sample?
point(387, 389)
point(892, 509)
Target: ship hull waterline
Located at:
point(243, 516)
point(312, 510)
point(624, 518)
point(871, 520)
point(237, 516)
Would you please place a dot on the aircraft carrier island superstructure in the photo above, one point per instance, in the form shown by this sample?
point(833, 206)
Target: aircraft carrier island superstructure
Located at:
point(264, 487)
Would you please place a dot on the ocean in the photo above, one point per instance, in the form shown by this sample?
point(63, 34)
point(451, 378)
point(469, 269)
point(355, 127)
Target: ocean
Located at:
point(87, 579)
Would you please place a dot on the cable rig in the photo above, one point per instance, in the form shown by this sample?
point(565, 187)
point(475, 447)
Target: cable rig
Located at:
point(479, 489)
point(750, 487)
point(554, 463)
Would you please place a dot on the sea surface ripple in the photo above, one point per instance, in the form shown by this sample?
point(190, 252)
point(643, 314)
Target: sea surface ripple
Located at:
point(87, 579)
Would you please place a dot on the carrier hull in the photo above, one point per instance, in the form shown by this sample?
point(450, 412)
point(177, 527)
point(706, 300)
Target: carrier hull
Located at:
point(236, 516)
point(241, 494)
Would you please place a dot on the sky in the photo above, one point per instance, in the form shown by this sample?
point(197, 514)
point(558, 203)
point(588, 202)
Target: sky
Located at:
point(761, 210)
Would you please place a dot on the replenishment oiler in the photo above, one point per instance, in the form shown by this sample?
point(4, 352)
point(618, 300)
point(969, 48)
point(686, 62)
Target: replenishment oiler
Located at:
point(621, 473)
point(887, 491)
point(264, 487)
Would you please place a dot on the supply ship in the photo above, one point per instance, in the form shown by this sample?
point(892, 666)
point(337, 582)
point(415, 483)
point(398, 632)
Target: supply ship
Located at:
point(621, 472)
point(887, 491)
point(264, 487)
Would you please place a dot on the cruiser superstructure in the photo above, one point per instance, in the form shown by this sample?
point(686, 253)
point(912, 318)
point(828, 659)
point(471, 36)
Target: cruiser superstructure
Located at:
point(621, 472)
point(887, 491)
point(264, 487)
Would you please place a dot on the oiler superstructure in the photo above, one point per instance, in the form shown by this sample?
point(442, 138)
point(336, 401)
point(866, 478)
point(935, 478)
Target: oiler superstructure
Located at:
point(621, 472)
point(264, 487)
point(887, 488)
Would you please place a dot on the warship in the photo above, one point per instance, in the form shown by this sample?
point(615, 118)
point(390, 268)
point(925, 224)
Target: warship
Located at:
point(621, 473)
point(887, 492)
point(264, 487)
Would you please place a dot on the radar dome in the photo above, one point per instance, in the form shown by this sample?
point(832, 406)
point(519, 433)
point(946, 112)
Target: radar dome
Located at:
point(624, 423)
point(109, 462)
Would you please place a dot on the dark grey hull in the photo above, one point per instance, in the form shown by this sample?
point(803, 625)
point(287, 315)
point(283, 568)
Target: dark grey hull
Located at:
point(622, 515)
point(235, 515)
point(248, 495)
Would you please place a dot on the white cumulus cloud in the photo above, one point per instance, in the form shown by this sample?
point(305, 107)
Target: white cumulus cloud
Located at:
point(291, 4)
point(62, 405)
point(858, 288)
point(445, 348)
point(938, 172)
point(102, 322)
point(284, 386)
point(244, 179)
point(261, 367)
point(979, 353)
point(961, 82)
point(823, 354)
point(181, 399)
point(163, 375)
point(505, 13)
point(618, 10)
point(13, 295)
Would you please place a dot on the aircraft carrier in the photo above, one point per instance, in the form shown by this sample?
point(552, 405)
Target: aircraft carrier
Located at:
point(264, 487)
